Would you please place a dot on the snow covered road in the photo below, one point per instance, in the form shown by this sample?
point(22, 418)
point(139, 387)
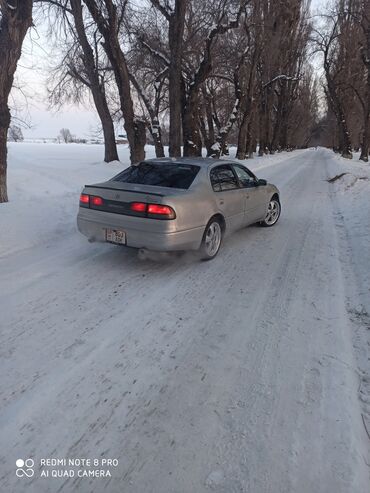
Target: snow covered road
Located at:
point(235, 375)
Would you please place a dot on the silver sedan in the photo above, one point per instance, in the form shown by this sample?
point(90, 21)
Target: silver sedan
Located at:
point(171, 204)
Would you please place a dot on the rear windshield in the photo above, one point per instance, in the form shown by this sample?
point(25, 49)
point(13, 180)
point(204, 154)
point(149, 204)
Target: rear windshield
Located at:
point(170, 175)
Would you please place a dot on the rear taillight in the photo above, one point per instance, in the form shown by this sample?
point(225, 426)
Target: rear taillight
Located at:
point(90, 200)
point(138, 206)
point(97, 201)
point(162, 210)
point(155, 211)
point(84, 200)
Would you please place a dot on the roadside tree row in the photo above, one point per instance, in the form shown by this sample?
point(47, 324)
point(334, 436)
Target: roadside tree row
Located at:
point(189, 74)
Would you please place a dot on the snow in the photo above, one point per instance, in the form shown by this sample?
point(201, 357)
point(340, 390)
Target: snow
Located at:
point(246, 373)
point(351, 198)
point(44, 184)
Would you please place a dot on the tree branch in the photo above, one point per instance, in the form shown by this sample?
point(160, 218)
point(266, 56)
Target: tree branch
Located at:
point(162, 9)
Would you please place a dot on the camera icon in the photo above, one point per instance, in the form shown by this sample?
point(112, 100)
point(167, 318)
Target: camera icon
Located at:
point(24, 468)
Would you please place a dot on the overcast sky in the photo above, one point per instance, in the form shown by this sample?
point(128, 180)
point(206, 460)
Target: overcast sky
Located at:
point(31, 77)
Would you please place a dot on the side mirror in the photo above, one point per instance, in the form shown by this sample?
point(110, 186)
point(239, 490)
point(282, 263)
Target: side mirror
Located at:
point(261, 182)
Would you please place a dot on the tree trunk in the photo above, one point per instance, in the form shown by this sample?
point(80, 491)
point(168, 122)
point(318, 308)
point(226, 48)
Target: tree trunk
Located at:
point(190, 128)
point(262, 125)
point(344, 137)
point(366, 59)
point(14, 24)
point(156, 133)
point(275, 143)
point(251, 141)
point(154, 127)
point(207, 143)
point(175, 82)
point(221, 147)
point(207, 131)
point(280, 134)
point(4, 125)
point(137, 152)
point(110, 146)
point(366, 137)
point(241, 150)
point(244, 135)
point(190, 125)
point(283, 141)
point(336, 106)
point(366, 134)
point(245, 131)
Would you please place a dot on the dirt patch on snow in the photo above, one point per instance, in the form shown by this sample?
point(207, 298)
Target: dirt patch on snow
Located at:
point(346, 180)
point(336, 177)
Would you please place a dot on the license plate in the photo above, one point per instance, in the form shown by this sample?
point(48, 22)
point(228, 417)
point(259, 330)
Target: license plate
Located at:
point(115, 236)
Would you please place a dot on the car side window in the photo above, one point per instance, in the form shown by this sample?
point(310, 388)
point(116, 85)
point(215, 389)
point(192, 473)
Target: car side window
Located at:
point(223, 178)
point(245, 177)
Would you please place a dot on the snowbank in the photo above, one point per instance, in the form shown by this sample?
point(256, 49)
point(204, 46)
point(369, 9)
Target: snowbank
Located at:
point(351, 195)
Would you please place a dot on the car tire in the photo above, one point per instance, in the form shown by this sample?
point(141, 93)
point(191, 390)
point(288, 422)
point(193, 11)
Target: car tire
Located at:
point(212, 238)
point(273, 213)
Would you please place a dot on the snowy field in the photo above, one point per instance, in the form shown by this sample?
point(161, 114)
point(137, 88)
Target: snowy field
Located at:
point(249, 373)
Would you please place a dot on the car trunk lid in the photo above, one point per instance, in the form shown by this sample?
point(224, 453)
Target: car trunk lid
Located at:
point(118, 197)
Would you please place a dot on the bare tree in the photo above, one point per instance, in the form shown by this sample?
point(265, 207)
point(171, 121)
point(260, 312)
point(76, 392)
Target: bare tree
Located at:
point(332, 41)
point(231, 71)
point(152, 109)
point(220, 145)
point(248, 89)
point(148, 74)
point(15, 19)
point(108, 18)
point(345, 44)
point(176, 23)
point(205, 23)
point(224, 20)
point(95, 83)
point(80, 71)
point(332, 92)
point(65, 135)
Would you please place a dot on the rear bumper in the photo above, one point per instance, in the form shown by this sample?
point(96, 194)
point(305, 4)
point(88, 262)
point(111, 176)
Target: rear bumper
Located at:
point(136, 236)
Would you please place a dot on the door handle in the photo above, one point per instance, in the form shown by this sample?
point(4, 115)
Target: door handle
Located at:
point(221, 202)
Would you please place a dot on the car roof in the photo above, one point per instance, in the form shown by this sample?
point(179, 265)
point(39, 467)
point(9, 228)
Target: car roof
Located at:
point(203, 162)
